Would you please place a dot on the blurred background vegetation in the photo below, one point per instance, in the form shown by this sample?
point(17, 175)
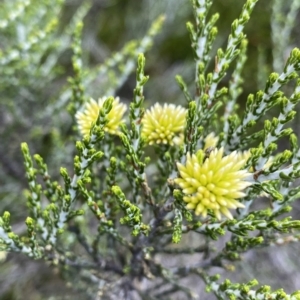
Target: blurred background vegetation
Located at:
point(30, 92)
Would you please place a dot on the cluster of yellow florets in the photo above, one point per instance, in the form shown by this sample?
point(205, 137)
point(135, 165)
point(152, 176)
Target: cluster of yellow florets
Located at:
point(161, 124)
point(213, 183)
point(164, 124)
point(89, 115)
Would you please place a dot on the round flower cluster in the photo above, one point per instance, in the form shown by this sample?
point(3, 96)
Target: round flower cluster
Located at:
point(213, 183)
point(89, 115)
point(164, 124)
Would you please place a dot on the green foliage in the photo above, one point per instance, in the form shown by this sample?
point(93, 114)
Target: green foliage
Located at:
point(108, 208)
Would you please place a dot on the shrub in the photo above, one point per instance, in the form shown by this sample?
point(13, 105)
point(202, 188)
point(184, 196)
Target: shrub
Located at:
point(148, 199)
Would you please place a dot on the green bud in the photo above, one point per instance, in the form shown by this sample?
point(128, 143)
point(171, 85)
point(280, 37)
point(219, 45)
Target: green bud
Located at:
point(267, 126)
point(190, 28)
point(67, 198)
point(141, 61)
point(220, 53)
point(64, 174)
point(79, 146)
point(214, 18)
point(6, 218)
point(113, 162)
point(13, 236)
point(46, 215)
point(209, 78)
point(271, 148)
point(29, 222)
point(273, 78)
point(135, 232)
point(286, 132)
point(259, 96)
point(181, 82)
point(192, 107)
point(234, 27)
point(249, 103)
point(286, 155)
point(250, 124)
point(264, 289)
point(200, 154)
point(38, 159)
point(177, 194)
point(290, 116)
point(53, 207)
point(295, 295)
point(25, 149)
point(223, 90)
point(98, 155)
point(86, 140)
point(60, 231)
point(293, 60)
point(296, 96)
point(117, 191)
point(201, 81)
point(107, 105)
point(275, 122)
point(245, 289)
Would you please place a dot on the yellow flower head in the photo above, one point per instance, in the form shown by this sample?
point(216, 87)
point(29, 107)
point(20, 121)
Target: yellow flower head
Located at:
point(211, 141)
point(213, 183)
point(90, 114)
point(164, 124)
